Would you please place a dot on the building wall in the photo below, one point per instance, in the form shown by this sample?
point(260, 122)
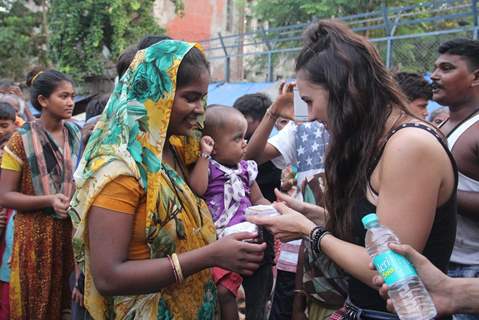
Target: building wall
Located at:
point(202, 20)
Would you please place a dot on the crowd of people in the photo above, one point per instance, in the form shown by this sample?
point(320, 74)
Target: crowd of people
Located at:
point(126, 215)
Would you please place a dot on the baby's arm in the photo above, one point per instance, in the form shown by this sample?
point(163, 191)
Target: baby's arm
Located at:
point(198, 179)
point(257, 195)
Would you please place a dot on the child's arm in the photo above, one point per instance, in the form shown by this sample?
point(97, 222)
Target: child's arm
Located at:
point(257, 195)
point(258, 148)
point(198, 179)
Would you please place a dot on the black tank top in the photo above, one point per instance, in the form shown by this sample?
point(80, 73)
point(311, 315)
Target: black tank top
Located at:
point(438, 247)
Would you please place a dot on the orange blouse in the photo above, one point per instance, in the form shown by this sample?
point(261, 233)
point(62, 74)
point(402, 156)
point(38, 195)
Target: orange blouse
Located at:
point(124, 195)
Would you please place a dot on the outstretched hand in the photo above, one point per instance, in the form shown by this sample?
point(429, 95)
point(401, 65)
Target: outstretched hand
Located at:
point(433, 278)
point(291, 202)
point(290, 225)
point(234, 253)
point(314, 213)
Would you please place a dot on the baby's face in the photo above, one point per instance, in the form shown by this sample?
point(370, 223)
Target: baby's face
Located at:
point(230, 143)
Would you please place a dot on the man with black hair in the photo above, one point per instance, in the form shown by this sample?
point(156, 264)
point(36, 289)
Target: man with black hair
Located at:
point(456, 84)
point(149, 40)
point(417, 90)
point(126, 57)
point(124, 61)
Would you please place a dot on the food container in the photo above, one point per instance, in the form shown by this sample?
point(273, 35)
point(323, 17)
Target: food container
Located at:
point(261, 210)
point(244, 227)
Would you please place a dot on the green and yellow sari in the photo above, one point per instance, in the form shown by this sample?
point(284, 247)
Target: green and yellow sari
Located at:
point(128, 141)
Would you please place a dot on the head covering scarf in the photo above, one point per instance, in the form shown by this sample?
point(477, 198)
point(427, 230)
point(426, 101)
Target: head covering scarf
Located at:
point(128, 140)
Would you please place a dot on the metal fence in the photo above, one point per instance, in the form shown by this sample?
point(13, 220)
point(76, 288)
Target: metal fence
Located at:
point(406, 37)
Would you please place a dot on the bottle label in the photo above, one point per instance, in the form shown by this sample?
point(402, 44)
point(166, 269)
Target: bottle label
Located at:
point(393, 267)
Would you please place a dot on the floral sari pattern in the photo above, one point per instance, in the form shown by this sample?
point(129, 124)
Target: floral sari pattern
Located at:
point(128, 140)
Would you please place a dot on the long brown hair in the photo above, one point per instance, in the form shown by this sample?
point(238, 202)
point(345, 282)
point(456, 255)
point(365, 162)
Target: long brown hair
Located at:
point(362, 95)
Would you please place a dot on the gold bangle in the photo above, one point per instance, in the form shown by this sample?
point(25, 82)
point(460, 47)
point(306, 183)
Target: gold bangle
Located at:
point(299, 291)
point(173, 268)
point(177, 264)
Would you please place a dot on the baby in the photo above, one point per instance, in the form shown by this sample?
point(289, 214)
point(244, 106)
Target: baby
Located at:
point(227, 183)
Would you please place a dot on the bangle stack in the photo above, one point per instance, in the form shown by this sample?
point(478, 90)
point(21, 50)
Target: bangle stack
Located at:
point(175, 265)
point(316, 235)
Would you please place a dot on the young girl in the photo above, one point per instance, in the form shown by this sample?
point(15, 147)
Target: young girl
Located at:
point(37, 181)
point(227, 182)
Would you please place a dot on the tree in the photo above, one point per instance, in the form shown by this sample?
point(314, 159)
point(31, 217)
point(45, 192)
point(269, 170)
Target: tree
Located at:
point(86, 35)
point(21, 41)
point(287, 12)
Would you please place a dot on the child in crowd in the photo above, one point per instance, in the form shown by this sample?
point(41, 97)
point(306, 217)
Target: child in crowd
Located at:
point(7, 128)
point(7, 124)
point(227, 182)
point(37, 181)
point(14, 102)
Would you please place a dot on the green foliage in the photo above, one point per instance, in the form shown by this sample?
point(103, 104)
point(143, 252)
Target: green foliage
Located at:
point(286, 12)
point(20, 39)
point(179, 6)
point(414, 54)
point(86, 35)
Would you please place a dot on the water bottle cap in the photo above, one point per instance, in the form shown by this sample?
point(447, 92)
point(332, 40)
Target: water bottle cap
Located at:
point(367, 219)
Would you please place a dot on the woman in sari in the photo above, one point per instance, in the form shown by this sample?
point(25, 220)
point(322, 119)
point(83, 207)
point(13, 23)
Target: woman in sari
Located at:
point(144, 241)
point(37, 181)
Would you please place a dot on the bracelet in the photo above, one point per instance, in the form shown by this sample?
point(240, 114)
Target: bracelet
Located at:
point(316, 235)
point(176, 263)
point(273, 116)
point(173, 268)
point(205, 155)
point(312, 233)
point(318, 247)
point(299, 291)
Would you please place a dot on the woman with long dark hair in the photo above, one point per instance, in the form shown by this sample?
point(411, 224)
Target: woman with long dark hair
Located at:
point(380, 159)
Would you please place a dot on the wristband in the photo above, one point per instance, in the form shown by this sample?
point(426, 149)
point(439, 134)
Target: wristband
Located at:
point(175, 274)
point(299, 291)
point(316, 235)
point(176, 263)
point(273, 116)
point(205, 155)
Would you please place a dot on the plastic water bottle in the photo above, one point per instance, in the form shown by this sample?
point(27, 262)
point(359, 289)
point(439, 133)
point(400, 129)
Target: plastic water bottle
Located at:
point(407, 292)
